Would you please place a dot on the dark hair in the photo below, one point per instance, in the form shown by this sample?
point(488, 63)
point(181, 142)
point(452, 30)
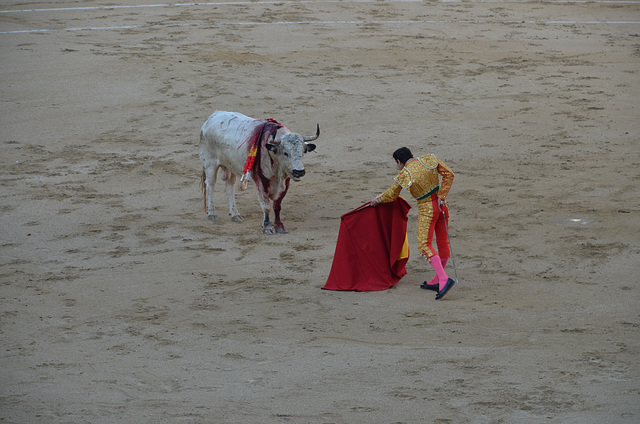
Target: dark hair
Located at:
point(403, 154)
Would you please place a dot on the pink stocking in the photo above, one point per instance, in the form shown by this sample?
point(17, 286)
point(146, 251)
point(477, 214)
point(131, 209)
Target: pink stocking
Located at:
point(443, 261)
point(442, 276)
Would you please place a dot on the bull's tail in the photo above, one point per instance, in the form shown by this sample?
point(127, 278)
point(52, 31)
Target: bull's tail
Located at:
point(203, 187)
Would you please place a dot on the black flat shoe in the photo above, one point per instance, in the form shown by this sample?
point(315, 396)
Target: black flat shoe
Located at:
point(445, 289)
point(427, 286)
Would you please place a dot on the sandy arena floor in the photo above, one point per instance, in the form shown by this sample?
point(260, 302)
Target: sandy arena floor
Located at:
point(121, 303)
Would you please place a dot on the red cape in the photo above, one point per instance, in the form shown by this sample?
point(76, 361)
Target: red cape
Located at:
point(370, 243)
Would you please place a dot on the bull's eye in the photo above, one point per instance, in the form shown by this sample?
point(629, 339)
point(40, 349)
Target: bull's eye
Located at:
point(286, 155)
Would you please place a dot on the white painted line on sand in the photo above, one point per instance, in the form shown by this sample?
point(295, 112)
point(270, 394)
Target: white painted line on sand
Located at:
point(254, 3)
point(418, 22)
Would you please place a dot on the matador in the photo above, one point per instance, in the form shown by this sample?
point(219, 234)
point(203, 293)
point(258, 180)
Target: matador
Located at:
point(421, 176)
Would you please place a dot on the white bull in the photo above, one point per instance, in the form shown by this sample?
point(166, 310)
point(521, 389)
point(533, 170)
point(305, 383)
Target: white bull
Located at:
point(226, 142)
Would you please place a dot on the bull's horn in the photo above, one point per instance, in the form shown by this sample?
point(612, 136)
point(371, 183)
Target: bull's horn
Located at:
point(273, 137)
point(313, 137)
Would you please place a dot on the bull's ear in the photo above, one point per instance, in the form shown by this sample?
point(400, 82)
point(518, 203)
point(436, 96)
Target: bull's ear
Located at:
point(272, 148)
point(309, 147)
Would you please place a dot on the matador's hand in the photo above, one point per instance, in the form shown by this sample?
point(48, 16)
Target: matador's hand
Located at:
point(442, 205)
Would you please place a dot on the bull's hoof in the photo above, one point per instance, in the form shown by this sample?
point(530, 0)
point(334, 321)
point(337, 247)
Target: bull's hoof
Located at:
point(268, 230)
point(236, 218)
point(212, 218)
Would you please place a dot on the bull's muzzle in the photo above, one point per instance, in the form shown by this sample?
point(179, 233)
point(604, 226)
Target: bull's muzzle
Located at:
point(298, 173)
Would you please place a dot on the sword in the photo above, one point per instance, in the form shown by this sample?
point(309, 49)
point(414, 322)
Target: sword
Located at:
point(366, 205)
point(446, 226)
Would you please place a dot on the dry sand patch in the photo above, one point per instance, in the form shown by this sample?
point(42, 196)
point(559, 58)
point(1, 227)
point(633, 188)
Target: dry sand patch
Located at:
point(120, 301)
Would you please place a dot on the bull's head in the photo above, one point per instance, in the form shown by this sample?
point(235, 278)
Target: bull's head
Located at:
point(289, 148)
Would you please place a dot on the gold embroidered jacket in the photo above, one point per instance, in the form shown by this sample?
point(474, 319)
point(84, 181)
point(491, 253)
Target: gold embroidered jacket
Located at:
point(421, 176)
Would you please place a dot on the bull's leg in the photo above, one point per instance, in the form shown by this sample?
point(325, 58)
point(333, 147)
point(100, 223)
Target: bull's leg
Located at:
point(277, 206)
point(230, 181)
point(267, 228)
point(210, 182)
point(279, 226)
point(265, 203)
